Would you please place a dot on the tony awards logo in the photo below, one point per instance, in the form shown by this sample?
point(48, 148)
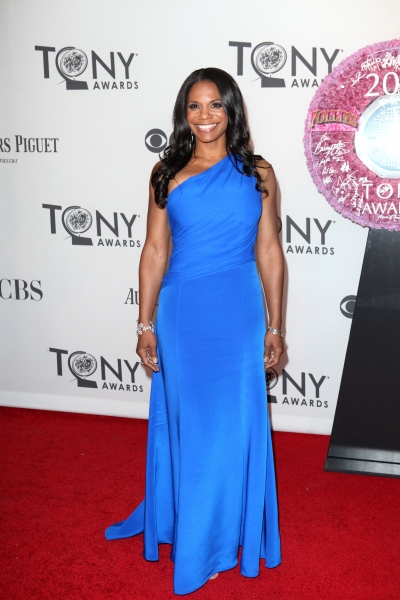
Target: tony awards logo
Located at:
point(82, 365)
point(77, 220)
point(71, 63)
point(268, 58)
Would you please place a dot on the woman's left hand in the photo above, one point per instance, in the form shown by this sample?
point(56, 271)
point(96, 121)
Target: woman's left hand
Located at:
point(274, 349)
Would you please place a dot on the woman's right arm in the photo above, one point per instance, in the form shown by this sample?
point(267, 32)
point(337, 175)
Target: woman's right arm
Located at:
point(152, 267)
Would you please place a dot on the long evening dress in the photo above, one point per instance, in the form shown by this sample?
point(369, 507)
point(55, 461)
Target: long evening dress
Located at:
point(210, 482)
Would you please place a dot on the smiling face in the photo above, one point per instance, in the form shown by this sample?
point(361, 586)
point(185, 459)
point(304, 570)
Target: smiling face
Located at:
point(205, 114)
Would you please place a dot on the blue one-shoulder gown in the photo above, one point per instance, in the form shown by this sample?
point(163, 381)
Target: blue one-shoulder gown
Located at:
point(210, 482)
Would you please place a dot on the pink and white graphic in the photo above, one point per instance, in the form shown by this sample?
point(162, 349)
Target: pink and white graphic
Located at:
point(352, 136)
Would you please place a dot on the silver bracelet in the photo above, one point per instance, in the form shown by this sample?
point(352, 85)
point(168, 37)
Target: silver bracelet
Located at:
point(276, 331)
point(141, 328)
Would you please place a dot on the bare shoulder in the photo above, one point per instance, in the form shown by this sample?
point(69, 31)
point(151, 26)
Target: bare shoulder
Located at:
point(267, 174)
point(152, 203)
point(263, 164)
point(265, 169)
point(156, 166)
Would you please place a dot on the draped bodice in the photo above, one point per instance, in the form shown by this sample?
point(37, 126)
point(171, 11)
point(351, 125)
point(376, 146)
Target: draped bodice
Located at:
point(213, 218)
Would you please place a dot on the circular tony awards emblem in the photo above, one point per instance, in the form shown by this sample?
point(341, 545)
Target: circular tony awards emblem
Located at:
point(76, 220)
point(82, 364)
point(377, 140)
point(352, 136)
point(72, 62)
point(271, 378)
point(268, 58)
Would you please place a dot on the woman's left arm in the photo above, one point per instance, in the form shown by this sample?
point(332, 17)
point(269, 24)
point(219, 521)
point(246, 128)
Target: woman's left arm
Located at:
point(270, 263)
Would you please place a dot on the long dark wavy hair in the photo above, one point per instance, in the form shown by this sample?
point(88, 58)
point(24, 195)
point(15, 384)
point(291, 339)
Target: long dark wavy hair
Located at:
point(177, 155)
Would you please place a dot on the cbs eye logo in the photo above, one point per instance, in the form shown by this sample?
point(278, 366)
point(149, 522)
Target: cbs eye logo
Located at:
point(156, 140)
point(347, 306)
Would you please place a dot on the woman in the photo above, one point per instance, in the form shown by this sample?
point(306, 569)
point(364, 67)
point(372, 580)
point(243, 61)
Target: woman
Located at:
point(210, 483)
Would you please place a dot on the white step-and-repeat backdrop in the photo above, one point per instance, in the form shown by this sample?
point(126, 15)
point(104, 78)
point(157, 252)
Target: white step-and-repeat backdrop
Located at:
point(87, 91)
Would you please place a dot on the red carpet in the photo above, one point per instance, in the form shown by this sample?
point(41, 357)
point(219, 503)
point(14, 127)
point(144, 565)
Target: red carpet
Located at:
point(67, 476)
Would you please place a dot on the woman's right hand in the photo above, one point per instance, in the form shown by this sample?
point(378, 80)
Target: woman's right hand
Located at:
point(147, 350)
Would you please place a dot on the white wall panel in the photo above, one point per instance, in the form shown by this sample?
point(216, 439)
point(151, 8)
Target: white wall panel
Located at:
point(102, 165)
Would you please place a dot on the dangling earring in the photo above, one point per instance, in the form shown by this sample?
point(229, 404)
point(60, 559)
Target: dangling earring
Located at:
point(192, 139)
